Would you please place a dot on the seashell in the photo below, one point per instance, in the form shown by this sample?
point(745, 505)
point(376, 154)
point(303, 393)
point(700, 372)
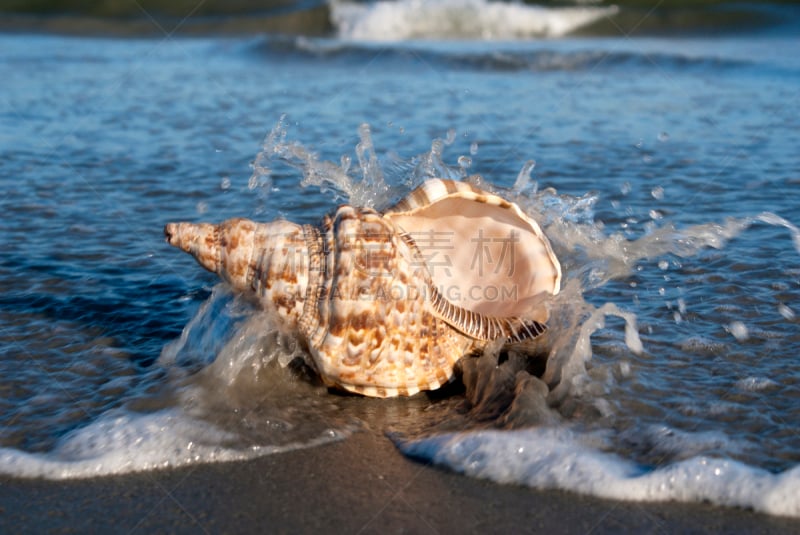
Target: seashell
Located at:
point(388, 303)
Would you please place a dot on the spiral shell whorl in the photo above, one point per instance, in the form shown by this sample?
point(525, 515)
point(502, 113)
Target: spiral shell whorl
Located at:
point(372, 331)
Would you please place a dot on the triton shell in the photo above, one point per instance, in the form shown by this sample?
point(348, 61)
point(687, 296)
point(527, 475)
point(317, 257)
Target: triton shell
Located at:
point(388, 303)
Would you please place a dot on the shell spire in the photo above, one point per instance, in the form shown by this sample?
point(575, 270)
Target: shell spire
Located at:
point(388, 303)
point(270, 260)
point(199, 240)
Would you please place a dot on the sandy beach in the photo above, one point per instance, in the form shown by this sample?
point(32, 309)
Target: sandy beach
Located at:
point(359, 485)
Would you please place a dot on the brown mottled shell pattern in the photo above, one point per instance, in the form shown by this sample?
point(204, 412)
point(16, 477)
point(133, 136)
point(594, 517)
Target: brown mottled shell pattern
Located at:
point(381, 311)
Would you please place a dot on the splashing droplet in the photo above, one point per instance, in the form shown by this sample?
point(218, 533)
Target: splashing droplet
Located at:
point(657, 193)
point(473, 148)
point(524, 176)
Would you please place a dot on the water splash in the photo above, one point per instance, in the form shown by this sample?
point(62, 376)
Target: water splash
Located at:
point(121, 442)
point(260, 179)
point(363, 182)
point(572, 348)
point(231, 388)
point(523, 181)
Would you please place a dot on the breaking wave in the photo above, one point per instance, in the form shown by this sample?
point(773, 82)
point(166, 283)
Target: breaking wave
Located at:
point(458, 19)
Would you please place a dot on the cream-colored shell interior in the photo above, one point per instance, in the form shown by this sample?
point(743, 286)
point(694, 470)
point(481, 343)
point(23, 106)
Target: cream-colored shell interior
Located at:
point(484, 254)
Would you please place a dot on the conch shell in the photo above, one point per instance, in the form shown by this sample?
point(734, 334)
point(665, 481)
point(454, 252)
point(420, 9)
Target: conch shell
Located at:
point(387, 303)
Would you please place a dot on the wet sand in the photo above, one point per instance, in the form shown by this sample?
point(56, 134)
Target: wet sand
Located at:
point(359, 485)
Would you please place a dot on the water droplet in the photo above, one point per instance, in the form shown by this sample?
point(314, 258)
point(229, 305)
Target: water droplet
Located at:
point(677, 317)
point(639, 144)
point(451, 137)
point(663, 265)
point(682, 305)
point(663, 136)
point(225, 183)
point(655, 215)
point(473, 149)
point(657, 192)
point(524, 176)
point(437, 146)
point(632, 339)
point(202, 207)
point(625, 188)
point(464, 161)
point(662, 291)
point(738, 330)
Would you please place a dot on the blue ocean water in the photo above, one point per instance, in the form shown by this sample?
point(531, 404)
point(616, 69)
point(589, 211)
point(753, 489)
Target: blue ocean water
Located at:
point(665, 171)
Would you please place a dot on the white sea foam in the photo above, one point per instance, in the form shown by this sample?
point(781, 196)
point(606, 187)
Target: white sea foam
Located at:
point(229, 407)
point(458, 19)
point(556, 458)
point(121, 442)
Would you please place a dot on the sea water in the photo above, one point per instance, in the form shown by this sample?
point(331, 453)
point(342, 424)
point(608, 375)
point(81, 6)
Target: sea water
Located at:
point(664, 171)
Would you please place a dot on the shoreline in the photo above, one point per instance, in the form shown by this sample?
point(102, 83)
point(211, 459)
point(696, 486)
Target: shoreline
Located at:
point(361, 484)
